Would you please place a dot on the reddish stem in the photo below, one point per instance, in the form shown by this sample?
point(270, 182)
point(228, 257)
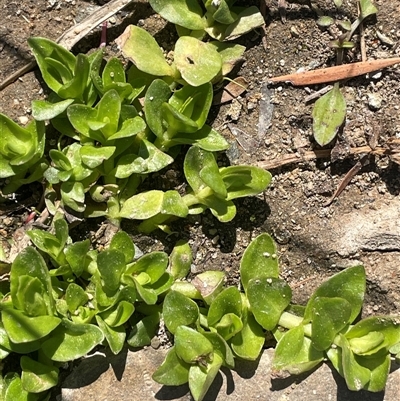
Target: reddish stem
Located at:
point(103, 39)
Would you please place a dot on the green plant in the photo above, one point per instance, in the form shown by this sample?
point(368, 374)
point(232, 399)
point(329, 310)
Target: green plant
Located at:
point(228, 324)
point(329, 111)
point(220, 19)
point(21, 151)
point(66, 299)
point(110, 141)
point(195, 62)
point(58, 307)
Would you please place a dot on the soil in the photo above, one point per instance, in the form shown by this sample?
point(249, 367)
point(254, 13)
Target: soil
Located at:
point(264, 124)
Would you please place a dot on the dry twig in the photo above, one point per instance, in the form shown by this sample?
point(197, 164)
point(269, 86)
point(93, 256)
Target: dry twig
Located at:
point(337, 73)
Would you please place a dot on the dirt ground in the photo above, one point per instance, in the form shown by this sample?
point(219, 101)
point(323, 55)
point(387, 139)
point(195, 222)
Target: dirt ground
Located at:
point(264, 124)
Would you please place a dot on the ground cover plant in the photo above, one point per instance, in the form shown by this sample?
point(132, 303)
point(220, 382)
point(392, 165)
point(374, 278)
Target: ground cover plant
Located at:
point(64, 298)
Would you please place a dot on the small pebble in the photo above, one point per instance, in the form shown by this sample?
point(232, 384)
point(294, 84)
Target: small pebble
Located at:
point(23, 120)
point(374, 101)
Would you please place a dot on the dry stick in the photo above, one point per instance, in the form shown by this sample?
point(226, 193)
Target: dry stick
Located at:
point(347, 178)
point(337, 73)
point(362, 36)
point(73, 35)
point(318, 154)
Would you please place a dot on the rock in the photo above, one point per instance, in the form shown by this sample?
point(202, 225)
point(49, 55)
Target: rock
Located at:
point(127, 377)
point(374, 101)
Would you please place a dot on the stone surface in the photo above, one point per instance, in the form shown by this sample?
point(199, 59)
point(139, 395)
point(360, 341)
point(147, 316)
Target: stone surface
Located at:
point(127, 377)
point(372, 228)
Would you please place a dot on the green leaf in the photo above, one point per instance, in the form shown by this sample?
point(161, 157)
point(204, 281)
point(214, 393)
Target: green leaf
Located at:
point(31, 295)
point(115, 336)
point(173, 371)
point(365, 344)
point(356, 375)
point(22, 328)
point(140, 47)
point(75, 296)
point(211, 176)
point(15, 392)
point(94, 157)
point(119, 314)
point(180, 260)
point(30, 262)
point(329, 316)
point(108, 111)
point(209, 284)
point(193, 102)
point(230, 53)
point(268, 298)
point(149, 160)
point(387, 325)
point(367, 8)
point(158, 93)
point(229, 325)
point(113, 72)
point(60, 160)
point(111, 264)
point(379, 368)
point(37, 377)
point(223, 14)
point(201, 378)
point(179, 310)
point(42, 110)
point(143, 205)
point(248, 343)
point(20, 348)
point(76, 255)
point(143, 331)
point(328, 114)
point(75, 87)
point(177, 122)
point(42, 50)
point(73, 195)
point(197, 61)
point(71, 341)
point(187, 13)
point(130, 127)
point(259, 260)
point(79, 116)
point(148, 295)
point(205, 138)
point(325, 21)
point(195, 160)
point(349, 284)
point(222, 348)
point(20, 149)
point(187, 289)
point(227, 301)
point(122, 242)
point(295, 353)
point(243, 181)
point(247, 20)
point(191, 346)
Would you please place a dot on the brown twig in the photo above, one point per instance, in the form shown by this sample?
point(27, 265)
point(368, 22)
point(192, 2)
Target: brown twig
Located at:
point(73, 35)
point(337, 73)
point(362, 36)
point(347, 178)
point(319, 154)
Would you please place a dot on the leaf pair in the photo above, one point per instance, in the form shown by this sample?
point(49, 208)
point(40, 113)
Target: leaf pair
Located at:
point(221, 21)
point(21, 150)
point(195, 62)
